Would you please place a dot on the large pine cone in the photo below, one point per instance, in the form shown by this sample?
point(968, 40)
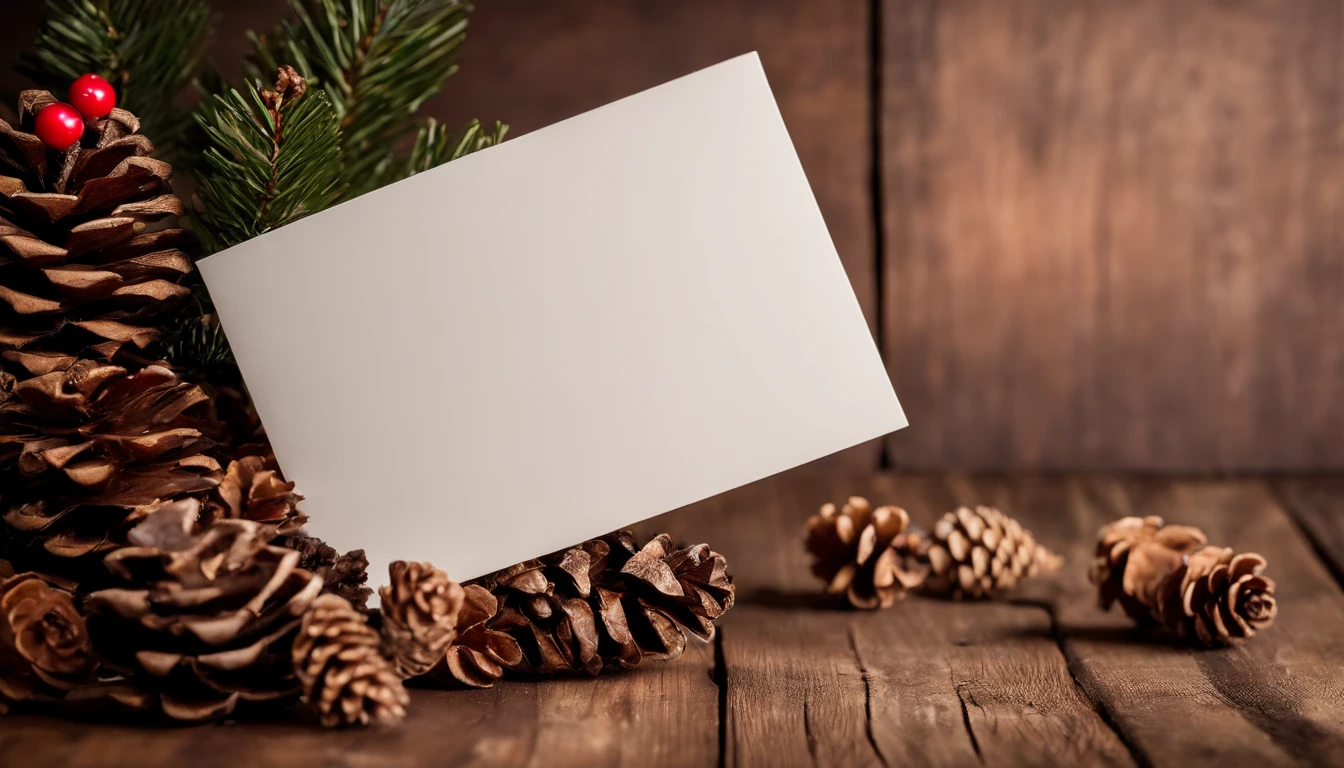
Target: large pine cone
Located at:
point(88, 450)
point(206, 620)
point(982, 552)
point(419, 613)
point(80, 274)
point(479, 655)
point(864, 553)
point(1127, 569)
point(44, 643)
point(345, 677)
point(608, 604)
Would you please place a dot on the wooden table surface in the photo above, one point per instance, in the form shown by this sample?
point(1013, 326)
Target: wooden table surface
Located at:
point(1043, 679)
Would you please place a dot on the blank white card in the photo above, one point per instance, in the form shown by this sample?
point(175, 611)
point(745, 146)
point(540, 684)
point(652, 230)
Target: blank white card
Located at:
point(591, 324)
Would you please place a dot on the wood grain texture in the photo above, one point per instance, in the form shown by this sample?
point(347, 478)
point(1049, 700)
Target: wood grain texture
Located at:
point(664, 715)
point(1045, 678)
point(1115, 232)
point(928, 682)
point(1277, 700)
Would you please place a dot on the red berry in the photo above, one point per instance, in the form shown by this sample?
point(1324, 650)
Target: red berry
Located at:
point(59, 126)
point(92, 96)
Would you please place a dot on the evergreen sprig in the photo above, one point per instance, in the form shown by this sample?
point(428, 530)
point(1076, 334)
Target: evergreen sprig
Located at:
point(436, 144)
point(148, 49)
point(378, 60)
point(272, 157)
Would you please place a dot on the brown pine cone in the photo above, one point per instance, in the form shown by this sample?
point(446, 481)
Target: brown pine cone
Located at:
point(343, 575)
point(79, 273)
point(344, 675)
point(420, 609)
point(1129, 572)
point(608, 604)
point(44, 643)
point(981, 552)
point(88, 450)
point(206, 620)
point(253, 489)
point(864, 553)
point(1217, 597)
point(479, 655)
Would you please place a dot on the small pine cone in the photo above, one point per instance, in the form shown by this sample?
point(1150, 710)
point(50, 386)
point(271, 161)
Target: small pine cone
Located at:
point(344, 575)
point(479, 655)
point(1209, 595)
point(253, 489)
point(982, 552)
point(1217, 597)
point(864, 553)
point(344, 675)
point(44, 643)
point(1125, 569)
point(82, 272)
point(420, 610)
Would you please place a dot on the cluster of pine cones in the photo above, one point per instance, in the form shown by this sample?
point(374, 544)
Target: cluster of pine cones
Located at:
point(1162, 575)
point(150, 551)
point(874, 557)
point(151, 554)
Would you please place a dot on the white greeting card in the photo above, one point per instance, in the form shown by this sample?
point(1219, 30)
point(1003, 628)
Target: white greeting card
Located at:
point(591, 324)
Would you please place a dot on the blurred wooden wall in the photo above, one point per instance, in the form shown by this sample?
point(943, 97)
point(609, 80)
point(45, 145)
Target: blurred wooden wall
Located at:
point(1086, 233)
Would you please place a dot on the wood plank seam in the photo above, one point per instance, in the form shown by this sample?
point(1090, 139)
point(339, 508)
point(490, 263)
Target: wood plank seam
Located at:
point(875, 63)
point(962, 690)
point(867, 699)
point(1294, 506)
point(1074, 663)
point(721, 680)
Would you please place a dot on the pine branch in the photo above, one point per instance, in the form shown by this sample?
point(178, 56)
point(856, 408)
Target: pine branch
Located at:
point(436, 145)
point(148, 49)
point(379, 61)
point(272, 157)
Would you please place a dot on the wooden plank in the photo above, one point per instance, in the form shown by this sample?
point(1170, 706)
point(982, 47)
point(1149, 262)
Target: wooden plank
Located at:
point(535, 62)
point(1278, 699)
point(1318, 506)
point(665, 714)
point(661, 714)
point(1114, 232)
point(925, 682)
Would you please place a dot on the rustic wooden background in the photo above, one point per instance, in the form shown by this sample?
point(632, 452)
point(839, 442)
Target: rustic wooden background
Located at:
point(1086, 233)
